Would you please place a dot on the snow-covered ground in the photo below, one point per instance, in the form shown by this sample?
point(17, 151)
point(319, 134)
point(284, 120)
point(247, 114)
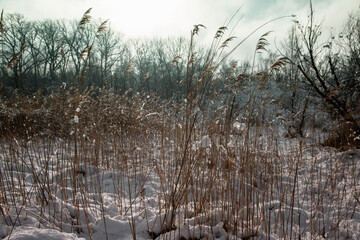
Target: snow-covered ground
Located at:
point(296, 190)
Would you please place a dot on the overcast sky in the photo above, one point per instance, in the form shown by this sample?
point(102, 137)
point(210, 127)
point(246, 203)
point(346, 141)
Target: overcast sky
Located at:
point(154, 18)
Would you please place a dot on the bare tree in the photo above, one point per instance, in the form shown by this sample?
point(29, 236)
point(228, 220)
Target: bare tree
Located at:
point(78, 40)
point(295, 98)
point(50, 34)
point(349, 63)
point(109, 52)
point(321, 71)
point(16, 32)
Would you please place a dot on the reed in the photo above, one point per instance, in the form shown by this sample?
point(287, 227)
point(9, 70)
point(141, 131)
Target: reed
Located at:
point(79, 158)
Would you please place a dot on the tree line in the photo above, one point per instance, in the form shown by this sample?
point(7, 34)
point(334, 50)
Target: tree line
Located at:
point(51, 55)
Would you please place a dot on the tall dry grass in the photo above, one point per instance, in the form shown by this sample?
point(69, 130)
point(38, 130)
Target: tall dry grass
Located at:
point(217, 171)
point(210, 170)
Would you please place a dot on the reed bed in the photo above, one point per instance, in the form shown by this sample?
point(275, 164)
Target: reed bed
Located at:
point(100, 165)
point(143, 171)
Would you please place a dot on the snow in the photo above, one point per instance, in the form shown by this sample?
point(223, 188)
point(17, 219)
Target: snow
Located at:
point(76, 119)
point(205, 142)
point(321, 203)
point(33, 233)
point(239, 126)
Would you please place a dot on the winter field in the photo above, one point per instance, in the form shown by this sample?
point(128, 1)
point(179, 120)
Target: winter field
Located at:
point(163, 177)
point(170, 140)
